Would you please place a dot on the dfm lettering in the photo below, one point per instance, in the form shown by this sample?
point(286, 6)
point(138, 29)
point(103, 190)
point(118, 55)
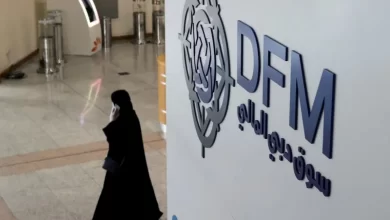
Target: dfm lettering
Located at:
point(324, 102)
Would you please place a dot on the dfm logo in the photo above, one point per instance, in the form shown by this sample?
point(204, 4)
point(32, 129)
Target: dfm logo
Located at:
point(207, 67)
point(206, 62)
point(324, 100)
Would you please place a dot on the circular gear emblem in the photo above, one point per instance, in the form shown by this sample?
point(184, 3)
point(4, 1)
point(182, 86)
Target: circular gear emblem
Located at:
point(206, 66)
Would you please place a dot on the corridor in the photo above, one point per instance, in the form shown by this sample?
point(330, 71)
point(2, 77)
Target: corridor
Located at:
point(52, 145)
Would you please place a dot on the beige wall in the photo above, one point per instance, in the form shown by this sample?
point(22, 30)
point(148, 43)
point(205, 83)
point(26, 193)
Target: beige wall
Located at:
point(40, 12)
point(18, 31)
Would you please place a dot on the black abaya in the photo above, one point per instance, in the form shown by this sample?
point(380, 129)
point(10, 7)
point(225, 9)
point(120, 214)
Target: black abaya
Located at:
point(127, 191)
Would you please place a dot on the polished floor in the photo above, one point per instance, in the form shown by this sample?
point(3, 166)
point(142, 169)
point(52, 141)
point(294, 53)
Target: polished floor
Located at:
point(51, 143)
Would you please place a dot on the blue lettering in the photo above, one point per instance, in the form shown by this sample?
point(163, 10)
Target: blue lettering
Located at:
point(249, 85)
point(324, 102)
point(270, 73)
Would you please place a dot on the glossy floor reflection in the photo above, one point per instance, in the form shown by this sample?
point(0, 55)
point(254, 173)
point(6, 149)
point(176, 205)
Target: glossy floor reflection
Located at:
point(39, 115)
point(50, 132)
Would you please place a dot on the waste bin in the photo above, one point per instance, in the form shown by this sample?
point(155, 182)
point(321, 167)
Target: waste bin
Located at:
point(46, 46)
point(107, 33)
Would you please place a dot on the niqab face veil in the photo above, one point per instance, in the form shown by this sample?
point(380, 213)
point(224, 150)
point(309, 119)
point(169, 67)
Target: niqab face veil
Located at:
point(122, 99)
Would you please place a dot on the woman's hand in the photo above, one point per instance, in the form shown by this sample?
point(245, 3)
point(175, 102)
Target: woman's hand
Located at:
point(114, 113)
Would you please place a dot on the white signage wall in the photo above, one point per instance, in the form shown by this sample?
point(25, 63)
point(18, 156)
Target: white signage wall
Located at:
point(278, 109)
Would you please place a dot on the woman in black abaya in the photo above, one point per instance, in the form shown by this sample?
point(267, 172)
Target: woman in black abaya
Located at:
point(128, 191)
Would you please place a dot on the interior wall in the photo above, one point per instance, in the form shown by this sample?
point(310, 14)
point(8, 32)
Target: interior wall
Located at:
point(123, 25)
point(40, 13)
point(18, 28)
point(246, 175)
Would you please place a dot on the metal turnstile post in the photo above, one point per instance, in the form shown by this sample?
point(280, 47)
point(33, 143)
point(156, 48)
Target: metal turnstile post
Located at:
point(107, 33)
point(58, 36)
point(158, 27)
point(158, 21)
point(139, 27)
point(47, 64)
